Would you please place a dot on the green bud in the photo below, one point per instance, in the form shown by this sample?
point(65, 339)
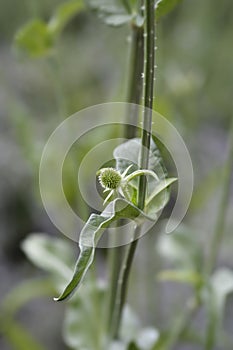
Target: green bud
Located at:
point(109, 178)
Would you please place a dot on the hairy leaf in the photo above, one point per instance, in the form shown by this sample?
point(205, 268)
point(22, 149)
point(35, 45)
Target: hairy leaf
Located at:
point(126, 154)
point(90, 235)
point(52, 255)
point(163, 7)
point(159, 197)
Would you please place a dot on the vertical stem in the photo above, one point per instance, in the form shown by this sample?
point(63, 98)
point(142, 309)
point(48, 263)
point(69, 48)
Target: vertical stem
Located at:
point(220, 224)
point(210, 338)
point(146, 135)
point(134, 98)
point(149, 90)
point(136, 80)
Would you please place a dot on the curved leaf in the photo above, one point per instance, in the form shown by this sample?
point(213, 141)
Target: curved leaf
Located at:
point(128, 153)
point(163, 7)
point(90, 235)
point(157, 200)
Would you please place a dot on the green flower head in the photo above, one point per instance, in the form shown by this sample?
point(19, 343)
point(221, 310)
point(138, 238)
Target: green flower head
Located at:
point(109, 178)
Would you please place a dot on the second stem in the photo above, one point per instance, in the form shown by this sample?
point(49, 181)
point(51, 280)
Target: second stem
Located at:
point(144, 159)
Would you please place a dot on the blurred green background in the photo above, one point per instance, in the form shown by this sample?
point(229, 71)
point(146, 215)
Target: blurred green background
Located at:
point(194, 82)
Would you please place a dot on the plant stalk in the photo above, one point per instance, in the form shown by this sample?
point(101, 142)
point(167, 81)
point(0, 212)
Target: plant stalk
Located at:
point(134, 98)
point(210, 338)
point(220, 223)
point(136, 81)
point(144, 159)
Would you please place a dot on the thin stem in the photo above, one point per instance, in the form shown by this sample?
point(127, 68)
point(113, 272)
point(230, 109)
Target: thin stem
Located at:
point(149, 87)
point(136, 80)
point(220, 223)
point(134, 98)
point(115, 259)
point(122, 284)
point(217, 239)
point(146, 135)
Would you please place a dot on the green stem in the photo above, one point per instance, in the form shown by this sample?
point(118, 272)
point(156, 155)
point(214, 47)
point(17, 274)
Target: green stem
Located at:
point(220, 224)
point(136, 81)
point(134, 97)
point(115, 259)
point(146, 135)
point(210, 338)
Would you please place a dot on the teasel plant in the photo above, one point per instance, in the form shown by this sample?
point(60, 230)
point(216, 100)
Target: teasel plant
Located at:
point(135, 192)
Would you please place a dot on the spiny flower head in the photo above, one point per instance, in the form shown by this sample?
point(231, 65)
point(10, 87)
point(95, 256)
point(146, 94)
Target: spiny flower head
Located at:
point(116, 183)
point(109, 178)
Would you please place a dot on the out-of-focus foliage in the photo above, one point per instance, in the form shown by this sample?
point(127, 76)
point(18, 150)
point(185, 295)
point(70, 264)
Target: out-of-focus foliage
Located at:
point(37, 38)
point(89, 66)
point(85, 323)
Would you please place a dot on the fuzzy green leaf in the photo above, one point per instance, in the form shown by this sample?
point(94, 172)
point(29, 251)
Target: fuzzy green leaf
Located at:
point(163, 7)
point(90, 235)
point(125, 155)
point(158, 198)
point(51, 255)
point(63, 14)
point(34, 39)
point(129, 153)
point(93, 230)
